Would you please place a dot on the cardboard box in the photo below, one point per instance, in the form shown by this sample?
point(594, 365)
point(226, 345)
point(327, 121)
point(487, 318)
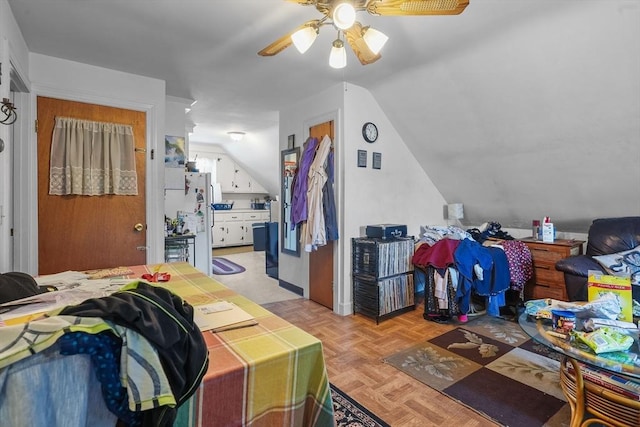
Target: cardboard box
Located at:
point(599, 283)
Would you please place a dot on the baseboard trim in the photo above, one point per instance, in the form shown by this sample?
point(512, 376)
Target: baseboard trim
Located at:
point(290, 287)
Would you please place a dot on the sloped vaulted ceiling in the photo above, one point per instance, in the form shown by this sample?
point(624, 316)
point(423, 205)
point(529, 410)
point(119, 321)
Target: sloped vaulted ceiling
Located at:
point(518, 109)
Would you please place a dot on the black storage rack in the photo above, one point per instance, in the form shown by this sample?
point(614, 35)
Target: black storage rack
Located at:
point(382, 275)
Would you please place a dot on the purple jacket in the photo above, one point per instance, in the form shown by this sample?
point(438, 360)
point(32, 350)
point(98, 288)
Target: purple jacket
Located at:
point(300, 183)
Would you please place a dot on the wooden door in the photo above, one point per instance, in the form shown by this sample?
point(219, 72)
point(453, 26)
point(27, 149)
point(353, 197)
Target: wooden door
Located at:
point(88, 232)
point(321, 260)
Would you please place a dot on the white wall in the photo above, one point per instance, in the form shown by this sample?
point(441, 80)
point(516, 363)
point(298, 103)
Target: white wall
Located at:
point(400, 192)
point(175, 117)
point(13, 55)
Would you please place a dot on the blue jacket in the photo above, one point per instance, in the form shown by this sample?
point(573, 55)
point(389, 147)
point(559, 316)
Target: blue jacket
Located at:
point(467, 254)
point(497, 279)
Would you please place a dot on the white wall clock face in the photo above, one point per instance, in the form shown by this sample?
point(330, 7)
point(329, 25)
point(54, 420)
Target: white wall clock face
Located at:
point(369, 132)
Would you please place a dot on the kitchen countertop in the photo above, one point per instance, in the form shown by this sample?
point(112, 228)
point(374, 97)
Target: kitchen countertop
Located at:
point(240, 210)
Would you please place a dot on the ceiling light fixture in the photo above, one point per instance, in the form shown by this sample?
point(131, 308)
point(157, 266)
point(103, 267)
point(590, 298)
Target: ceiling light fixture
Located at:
point(344, 16)
point(338, 55)
point(9, 112)
point(374, 39)
point(304, 38)
point(236, 136)
point(365, 42)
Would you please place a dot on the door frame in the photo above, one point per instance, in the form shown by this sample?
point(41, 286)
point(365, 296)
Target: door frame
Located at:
point(26, 185)
point(14, 247)
point(342, 304)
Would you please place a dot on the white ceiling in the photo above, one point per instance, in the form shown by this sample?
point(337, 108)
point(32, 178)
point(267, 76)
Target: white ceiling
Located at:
point(207, 50)
point(517, 108)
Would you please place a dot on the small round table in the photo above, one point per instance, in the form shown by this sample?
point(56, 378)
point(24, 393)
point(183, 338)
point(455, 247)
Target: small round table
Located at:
point(585, 397)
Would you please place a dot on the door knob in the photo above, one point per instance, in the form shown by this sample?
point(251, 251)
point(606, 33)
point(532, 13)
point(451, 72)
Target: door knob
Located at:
point(138, 227)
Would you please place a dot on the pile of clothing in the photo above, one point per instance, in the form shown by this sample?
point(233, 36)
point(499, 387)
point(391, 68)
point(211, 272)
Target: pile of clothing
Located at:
point(146, 352)
point(488, 230)
point(312, 196)
point(452, 265)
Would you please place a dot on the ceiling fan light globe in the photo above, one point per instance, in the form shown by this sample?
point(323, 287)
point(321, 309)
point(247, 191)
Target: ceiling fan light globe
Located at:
point(374, 39)
point(304, 38)
point(344, 16)
point(338, 55)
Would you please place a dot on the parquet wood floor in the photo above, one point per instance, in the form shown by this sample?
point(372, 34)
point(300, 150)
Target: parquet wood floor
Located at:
point(354, 347)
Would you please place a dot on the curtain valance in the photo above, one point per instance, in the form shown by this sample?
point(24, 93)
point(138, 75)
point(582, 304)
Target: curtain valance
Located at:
point(92, 158)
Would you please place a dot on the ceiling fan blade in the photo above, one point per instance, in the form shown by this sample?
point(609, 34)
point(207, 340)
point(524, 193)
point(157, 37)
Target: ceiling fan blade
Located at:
point(303, 2)
point(277, 46)
point(416, 7)
point(360, 48)
point(285, 41)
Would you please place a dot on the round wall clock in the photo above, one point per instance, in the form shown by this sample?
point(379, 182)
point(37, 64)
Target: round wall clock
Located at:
point(370, 132)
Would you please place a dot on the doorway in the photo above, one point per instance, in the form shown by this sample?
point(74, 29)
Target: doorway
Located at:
point(89, 232)
point(16, 211)
point(321, 260)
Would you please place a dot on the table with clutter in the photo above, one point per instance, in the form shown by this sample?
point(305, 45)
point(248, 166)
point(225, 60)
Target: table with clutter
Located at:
point(263, 373)
point(600, 357)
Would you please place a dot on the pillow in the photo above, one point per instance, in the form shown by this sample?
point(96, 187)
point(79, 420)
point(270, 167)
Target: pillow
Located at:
point(626, 262)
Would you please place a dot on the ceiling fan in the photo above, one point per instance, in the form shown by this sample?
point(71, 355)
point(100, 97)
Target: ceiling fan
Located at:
point(365, 41)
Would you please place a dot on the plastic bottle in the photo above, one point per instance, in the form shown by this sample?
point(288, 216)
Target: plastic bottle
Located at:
point(535, 229)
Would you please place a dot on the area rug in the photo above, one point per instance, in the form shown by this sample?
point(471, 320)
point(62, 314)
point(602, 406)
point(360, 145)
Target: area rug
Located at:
point(224, 266)
point(349, 413)
point(491, 366)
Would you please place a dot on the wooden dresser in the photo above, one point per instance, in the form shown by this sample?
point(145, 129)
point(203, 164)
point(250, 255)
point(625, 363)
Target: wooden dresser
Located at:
point(547, 282)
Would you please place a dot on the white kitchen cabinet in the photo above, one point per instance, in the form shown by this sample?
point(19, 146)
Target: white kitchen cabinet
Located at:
point(241, 181)
point(225, 172)
point(234, 179)
point(257, 188)
point(248, 234)
point(255, 216)
point(234, 228)
point(219, 235)
point(235, 234)
point(251, 218)
point(231, 226)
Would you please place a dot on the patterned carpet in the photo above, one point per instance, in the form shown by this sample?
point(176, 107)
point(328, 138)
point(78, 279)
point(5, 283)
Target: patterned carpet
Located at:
point(349, 413)
point(492, 367)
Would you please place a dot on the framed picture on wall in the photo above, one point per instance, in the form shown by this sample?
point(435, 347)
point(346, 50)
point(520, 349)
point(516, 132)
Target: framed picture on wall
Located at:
point(377, 160)
point(174, 155)
point(362, 158)
point(291, 142)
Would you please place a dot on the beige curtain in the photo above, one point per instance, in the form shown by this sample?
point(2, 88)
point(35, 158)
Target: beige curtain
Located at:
point(92, 158)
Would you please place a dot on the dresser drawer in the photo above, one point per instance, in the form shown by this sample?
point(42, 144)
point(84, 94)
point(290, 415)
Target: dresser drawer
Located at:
point(548, 282)
point(545, 256)
point(548, 276)
point(540, 292)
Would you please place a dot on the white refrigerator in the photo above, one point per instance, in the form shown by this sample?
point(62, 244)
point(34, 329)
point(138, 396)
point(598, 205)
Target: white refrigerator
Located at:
point(189, 196)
